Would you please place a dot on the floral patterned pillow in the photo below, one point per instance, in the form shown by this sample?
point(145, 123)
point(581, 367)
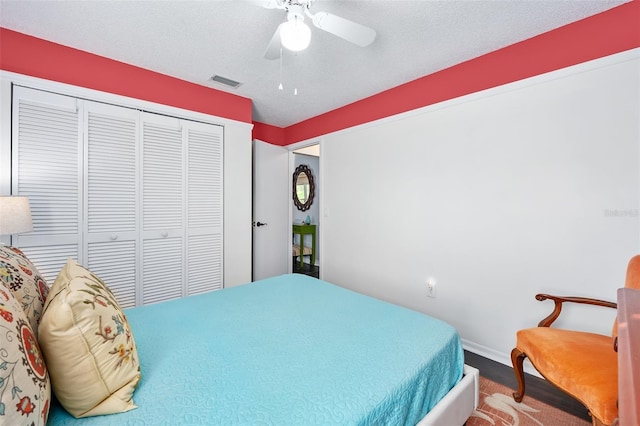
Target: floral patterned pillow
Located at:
point(25, 282)
point(88, 345)
point(25, 392)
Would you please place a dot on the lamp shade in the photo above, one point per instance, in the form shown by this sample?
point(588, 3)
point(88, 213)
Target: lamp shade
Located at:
point(295, 35)
point(15, 215)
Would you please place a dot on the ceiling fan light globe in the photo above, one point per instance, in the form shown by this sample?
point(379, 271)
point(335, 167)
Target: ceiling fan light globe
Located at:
point(295, 35)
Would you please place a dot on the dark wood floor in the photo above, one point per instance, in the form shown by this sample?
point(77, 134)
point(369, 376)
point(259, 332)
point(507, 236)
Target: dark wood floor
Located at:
point(535, 387)
point(306, 269)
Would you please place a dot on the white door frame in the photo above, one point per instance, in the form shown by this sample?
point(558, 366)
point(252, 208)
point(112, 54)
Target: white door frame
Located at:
point(318, 198)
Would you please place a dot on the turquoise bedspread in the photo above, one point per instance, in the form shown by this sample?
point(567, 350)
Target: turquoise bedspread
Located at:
point(289, 350)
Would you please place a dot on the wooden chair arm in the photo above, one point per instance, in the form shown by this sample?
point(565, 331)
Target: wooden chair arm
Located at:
point(559, 300)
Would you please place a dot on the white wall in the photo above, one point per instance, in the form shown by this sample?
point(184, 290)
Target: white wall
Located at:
point(527, 188)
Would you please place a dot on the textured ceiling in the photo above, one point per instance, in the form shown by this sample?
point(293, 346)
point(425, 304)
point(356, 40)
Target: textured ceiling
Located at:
point(192, 40)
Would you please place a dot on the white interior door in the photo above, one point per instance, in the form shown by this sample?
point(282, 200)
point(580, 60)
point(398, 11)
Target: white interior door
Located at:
point(271, 209)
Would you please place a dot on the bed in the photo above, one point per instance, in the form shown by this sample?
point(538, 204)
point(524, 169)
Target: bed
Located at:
point(289, 350)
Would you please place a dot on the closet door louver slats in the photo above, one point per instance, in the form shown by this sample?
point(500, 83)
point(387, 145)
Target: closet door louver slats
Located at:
point(112, 197)
point(49, 179)
point(204, 265)
point(204, 208)
point(46, 158)
point(115, 263)
point(111, 176)
point(162, 174)
point(162, 208)
point(205, 185)
point(162, 270)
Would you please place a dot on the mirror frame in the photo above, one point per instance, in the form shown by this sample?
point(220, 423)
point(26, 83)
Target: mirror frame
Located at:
point(303, 168)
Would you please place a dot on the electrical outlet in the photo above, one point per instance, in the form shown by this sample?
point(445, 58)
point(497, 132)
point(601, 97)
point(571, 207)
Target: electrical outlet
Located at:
point(431, 287)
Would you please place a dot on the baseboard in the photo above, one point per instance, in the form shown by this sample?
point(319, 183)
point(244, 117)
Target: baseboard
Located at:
point(496, 356)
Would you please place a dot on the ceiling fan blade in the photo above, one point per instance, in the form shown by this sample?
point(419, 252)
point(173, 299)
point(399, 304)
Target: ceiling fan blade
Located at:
point(344, 28)
point(273, 49)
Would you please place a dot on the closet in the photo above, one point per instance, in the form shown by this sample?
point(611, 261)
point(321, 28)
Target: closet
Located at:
point(134, 196)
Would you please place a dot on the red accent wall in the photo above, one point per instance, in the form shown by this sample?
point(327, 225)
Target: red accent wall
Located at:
point(607, 33)
point(268, 133)
point(24, 54)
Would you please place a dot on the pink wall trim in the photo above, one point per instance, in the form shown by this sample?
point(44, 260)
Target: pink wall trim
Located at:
point(268, 133)
point(607, 33)
point(40, 58)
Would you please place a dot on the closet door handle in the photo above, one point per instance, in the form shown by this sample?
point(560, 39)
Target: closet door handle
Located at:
point(165, 234)
point(113, 237)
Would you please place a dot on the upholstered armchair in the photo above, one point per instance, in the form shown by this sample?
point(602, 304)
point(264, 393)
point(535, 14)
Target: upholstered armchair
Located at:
point(582, 364)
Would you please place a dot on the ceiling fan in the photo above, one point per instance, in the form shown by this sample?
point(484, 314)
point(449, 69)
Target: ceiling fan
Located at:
point(295, 35)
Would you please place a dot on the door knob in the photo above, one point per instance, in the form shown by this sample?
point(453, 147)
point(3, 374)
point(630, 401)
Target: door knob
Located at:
point(260, 224)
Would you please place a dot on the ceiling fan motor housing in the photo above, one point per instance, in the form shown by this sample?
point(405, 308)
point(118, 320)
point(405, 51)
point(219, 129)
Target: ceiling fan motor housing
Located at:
point(295, 35)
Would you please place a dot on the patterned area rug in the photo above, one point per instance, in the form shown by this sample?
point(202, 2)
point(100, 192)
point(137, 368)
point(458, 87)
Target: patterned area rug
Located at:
point(497, 407)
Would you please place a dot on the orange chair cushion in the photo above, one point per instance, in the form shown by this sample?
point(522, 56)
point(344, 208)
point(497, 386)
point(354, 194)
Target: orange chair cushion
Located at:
point(582, 364)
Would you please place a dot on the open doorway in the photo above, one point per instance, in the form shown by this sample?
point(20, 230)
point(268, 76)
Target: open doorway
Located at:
point(305, 215)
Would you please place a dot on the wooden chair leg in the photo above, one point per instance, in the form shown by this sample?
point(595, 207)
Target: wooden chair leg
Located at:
point(517, 358)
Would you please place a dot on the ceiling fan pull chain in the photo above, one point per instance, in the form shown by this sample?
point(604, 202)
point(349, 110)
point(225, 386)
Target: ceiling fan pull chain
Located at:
point(280, 86)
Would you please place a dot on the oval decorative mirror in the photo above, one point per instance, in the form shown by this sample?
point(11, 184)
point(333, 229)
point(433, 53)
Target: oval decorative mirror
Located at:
point(303, 187)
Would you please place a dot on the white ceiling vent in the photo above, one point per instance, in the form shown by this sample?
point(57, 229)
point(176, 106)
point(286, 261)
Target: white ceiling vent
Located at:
point(226, 81)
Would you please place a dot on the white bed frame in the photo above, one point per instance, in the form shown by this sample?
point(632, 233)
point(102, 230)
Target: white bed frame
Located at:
point(457, 405)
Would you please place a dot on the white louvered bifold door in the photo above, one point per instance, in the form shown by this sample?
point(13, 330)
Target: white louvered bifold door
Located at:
point(204, 207)
point(46, 160)
point(134, 196)
point(111, 226)
point(163, 209)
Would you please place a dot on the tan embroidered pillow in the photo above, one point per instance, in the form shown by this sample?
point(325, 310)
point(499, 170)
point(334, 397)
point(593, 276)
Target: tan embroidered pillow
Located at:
point(88, 345)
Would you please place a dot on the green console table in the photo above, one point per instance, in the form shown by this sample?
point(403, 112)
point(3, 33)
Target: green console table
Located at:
point(304, 229)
